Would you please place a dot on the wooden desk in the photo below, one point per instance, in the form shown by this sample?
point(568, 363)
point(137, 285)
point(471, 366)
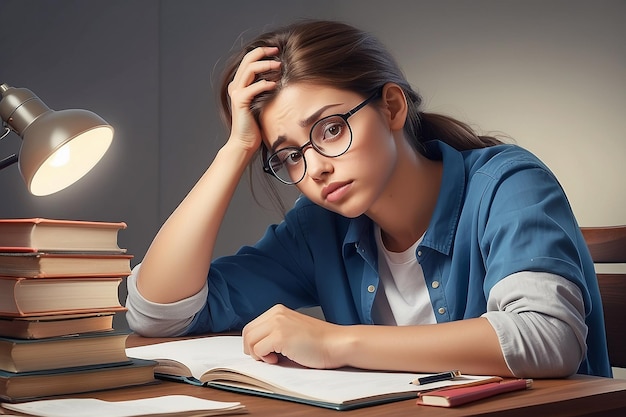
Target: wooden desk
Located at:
point(576, 396)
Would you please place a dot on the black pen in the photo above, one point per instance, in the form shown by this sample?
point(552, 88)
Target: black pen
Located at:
point(444, 376)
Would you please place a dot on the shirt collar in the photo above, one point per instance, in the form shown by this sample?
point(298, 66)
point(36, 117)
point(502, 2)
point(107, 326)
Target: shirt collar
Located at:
point(445, 219)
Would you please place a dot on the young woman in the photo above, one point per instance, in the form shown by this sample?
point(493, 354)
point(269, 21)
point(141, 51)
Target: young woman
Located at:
point(427, 246)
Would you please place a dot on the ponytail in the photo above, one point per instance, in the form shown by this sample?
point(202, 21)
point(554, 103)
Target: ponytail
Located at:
point(455, 133)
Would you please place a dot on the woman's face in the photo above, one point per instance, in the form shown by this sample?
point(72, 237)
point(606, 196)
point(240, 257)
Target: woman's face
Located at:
point(349, 184)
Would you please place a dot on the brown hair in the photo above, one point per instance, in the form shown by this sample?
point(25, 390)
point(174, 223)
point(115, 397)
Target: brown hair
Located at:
point(339, 55)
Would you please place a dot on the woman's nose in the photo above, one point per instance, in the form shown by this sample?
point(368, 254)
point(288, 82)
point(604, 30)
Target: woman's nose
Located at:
point(318, 165)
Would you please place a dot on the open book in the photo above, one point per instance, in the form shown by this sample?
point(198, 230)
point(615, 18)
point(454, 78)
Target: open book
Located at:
point(219, 362)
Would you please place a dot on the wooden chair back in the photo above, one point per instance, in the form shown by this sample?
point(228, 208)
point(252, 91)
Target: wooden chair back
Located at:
point(608, 245)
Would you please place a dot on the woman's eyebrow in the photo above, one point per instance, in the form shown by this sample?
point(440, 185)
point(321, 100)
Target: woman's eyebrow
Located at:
point(313, 118)
point(279, 141)
point(303, 123)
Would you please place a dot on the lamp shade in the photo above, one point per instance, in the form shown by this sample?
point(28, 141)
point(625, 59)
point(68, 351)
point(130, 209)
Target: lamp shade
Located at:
point(58, 147)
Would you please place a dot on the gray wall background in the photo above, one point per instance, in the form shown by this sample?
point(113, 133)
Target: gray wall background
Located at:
point(551, 74)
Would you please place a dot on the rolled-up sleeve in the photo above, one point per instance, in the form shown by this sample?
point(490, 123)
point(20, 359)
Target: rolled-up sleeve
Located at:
point(163, 320)
point(539, 320)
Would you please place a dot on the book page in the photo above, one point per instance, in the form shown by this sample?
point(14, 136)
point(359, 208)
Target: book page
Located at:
point(170, 405)
point(199, 355)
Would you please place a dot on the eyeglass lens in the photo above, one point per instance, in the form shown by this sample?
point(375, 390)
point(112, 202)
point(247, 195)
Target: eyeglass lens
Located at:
point(330, 136)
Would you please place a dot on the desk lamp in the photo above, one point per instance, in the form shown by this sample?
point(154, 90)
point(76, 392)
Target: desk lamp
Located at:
point(58, 147)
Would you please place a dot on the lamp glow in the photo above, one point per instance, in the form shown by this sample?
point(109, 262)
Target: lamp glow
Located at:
point(60, 157)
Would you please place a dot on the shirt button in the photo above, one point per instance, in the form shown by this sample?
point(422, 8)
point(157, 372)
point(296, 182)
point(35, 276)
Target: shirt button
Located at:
point(371, 288)
point(441, 310)
point(419, 253)
point(435, 284)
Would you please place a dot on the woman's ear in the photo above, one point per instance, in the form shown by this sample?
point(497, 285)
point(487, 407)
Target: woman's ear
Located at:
point(395, 106)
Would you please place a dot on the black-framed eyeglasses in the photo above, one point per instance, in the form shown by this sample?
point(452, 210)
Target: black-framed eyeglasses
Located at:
point(330, 136)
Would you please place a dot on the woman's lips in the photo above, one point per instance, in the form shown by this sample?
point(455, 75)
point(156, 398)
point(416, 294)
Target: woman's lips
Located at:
point(335, 192)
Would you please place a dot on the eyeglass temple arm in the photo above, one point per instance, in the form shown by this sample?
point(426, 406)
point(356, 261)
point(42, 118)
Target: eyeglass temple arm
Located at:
point(363, 104)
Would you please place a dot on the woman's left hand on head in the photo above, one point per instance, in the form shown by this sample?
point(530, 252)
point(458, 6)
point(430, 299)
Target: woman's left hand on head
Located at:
point(301, 338)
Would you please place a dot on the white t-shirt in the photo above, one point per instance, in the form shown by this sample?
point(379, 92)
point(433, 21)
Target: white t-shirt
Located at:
point(402, 297)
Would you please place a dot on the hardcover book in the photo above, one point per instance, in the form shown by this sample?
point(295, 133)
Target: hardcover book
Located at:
point(42, 296)
point(48, 265)
point(49, 235)
point(21, 355)
point(40, 327)
point(24, 386)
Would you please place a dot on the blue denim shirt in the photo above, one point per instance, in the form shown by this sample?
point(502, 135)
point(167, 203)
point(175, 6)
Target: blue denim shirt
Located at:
point(500, 210)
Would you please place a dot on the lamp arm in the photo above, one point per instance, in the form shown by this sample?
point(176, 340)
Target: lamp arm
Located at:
point(8, 161)
point(7, 130)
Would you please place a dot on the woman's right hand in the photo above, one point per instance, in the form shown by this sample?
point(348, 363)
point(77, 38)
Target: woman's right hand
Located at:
point(177, 263)
point(242, 90)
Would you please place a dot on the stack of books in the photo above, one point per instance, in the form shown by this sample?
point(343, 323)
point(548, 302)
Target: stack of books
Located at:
point(59, 283)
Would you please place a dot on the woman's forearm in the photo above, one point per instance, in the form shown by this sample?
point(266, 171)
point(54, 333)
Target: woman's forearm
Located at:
point(177, 262)
point(471, 346)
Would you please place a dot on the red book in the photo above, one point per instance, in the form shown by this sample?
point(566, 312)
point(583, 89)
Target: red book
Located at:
point(451, 397)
